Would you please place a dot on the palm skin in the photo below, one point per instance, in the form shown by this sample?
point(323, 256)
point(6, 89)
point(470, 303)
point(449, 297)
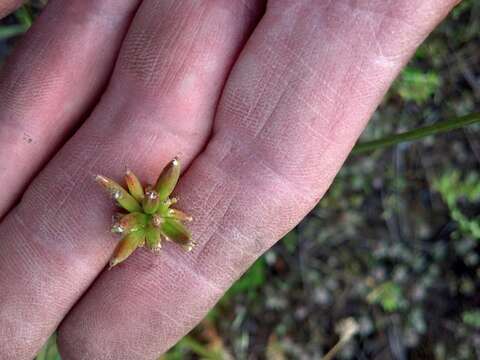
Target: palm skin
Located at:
point(262, 103)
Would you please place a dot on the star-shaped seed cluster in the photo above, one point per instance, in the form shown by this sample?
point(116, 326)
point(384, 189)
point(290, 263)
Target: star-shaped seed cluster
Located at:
point(150, 219)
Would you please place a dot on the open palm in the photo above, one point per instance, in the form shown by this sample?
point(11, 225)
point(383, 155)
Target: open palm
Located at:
point(262, 103)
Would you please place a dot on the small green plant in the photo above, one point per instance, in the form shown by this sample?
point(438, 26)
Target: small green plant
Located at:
point(416, 85)
point(150, 217)
point(388, 295)
point(472, 318)
point(453, 189)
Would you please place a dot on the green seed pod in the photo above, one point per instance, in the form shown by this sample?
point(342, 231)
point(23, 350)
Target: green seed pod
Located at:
point(126, 246)
point(130, 222)
point(151, 202)
point(124, 199)
point(179, 215)
point(157, 220)
point(134, 186)
point(153, 237)
point(164, 207)
point(175, 231)
point(168, 179)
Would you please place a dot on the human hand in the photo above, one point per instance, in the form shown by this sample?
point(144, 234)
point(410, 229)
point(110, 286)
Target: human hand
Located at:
point(264, 124)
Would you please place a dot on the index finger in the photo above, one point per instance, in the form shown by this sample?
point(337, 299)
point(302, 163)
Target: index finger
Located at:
point(7, 6)
point(51, 81)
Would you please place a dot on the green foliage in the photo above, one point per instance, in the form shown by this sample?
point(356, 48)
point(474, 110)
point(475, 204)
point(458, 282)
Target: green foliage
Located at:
point(416, 85)
point(24, 20)
point(10, 31)
point(454, 190)
point(49, 350)
point(388, 295)
point(462, 8)
point(472, 318)
point(24, 16)
point(290, 241)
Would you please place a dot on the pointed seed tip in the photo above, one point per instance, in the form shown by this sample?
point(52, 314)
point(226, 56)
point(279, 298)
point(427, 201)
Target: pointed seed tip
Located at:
point(102, 180)
point(190, 246)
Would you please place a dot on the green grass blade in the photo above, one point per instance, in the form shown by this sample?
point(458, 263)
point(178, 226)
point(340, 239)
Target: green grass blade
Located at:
point(416, 134)
point(7, 32)
point(200, 349)
point(49, 350)
point(24, 16)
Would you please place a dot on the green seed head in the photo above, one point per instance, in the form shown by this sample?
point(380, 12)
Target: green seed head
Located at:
point(127, 246)
point(175, 231)
point(124, 199)
point(134, 186)
point(149, 217)
point(151, 202)
point(153, 237)
point(168, 179)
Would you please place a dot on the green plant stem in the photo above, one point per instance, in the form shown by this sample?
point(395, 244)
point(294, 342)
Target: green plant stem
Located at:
point(49, 350)
point(422, 132)
point(199, 349)
point(24, 19)
point(7, 32)
point(24, 16)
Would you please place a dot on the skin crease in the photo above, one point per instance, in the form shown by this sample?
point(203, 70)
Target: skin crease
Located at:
point(300, 93)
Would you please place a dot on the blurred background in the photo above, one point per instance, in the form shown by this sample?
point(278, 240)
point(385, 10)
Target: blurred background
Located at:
point(387, 265)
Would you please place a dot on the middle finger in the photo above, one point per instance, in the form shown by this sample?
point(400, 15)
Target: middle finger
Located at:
point(160, 103)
